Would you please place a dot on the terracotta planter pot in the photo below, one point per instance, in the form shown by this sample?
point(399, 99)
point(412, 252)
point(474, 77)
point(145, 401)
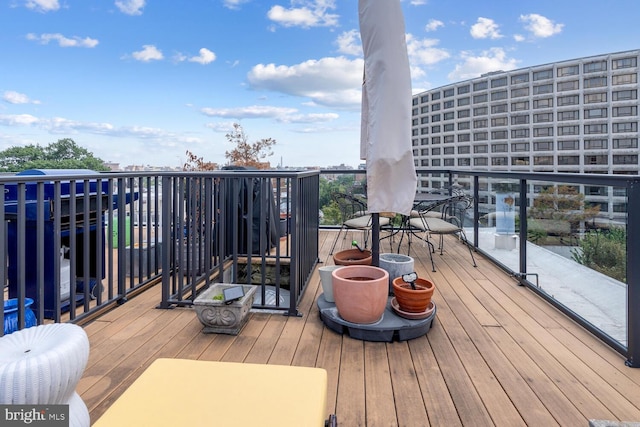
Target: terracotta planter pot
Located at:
point(410, 300)
point(352, 257)
point(360, 292)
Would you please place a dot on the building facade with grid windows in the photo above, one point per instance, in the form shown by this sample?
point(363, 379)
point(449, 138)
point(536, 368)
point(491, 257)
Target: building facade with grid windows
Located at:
point(575, 116)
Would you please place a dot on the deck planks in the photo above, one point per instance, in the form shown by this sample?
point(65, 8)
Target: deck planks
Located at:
point(497, 354)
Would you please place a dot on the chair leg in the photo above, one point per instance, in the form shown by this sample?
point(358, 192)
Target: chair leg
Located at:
point(466, 242)
point(336, 240)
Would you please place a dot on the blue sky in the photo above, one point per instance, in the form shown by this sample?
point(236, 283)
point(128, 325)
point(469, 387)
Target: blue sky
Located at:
point(142, 81)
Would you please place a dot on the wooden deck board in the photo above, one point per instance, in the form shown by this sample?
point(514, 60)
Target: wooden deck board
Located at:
point(497, 354)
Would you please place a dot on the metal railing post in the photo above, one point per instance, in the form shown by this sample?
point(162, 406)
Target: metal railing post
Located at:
point(633, 274)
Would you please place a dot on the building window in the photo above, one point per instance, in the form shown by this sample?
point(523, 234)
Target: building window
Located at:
point(568, 100)
point(424, 109)
point(435, 151)
point(424, 152)
point(520, 106)
point(480, 161)
point(464, 161)
point(480, 111)
point(543, 146)
point(631, 110)
point(435, 140)
point(480, 136)
point(435, 162)
point(568, 160)
point(448, 127)
point(463, 89)
point(568, 115)
point(541, 89)
point(519, 161)
point(595, 128)
point(500, 121)
point(498, 95)
point(480, 98)
point(499, 148)
point(499, 134)
point(435, 117)
point(435, 129)
point(464, 137)
point(595, 144)
point(435, 95)
point(464, 125)
point(570, 70)
point(480, 85)
point(464, 149)
point(591, 98)
point(448, 93)
point(480, 149)
point(449, 162)
point(568, 145)
point(449, 139)
point(595, 66)
point(625, 159)
point(568, 130)
point(537, 132)
point(624, 62)
point(519, 146)
point(414, 112)
point(448, 116)
point(520, 133)
point(424, 98)
point(449, 150)
point(424, 141)
point(435, 107)
point(520, 78)
point(502, 81)
point(517, 93)
point(447, 104)
point(543, 75)
point(424, 130)
point(424, 162)
point(624, 95)
point(625, 143)
point(499, 161)
point(414, 102)
point(595, 82)
point(500, 108)
point(464, 113)
point(543, 103)
point(625, 127)
point(520, 119)
point(596, 159)
point(424, 120)
point(624, 79)
point(480, 123)
point(543, 160)
point(569, 85)
point(595, 113)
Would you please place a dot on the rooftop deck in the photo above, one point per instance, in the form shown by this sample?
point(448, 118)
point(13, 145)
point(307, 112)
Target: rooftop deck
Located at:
point(497, 354)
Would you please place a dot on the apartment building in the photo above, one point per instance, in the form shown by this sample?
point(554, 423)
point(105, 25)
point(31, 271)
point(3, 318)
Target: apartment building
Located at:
point(575, 116)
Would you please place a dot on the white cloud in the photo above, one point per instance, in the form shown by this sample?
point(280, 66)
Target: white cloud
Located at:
point(205, 57)
point(234, 4)
point(63, 41)
point(309, 118)
point(311, 14)
point(433, 25)
point(148, 53)
point(18, 120)
point(540, 26)
point(13, 97)
point(130, 7)
point(424, 51)
point(485, 28)
point(252, 112)
point(43, 5)
point(418, 2)
point(349, 43)
point(494, 59)
point(328, 81)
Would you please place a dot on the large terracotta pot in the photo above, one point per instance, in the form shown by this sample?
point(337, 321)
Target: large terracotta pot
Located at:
point(413, 300)
point(352, 257)
point(360, 292)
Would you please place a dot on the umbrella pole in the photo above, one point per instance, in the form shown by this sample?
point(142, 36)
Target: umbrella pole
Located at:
point(375, 237)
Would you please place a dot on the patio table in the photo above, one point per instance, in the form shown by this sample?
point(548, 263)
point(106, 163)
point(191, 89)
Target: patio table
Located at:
point(179, 392)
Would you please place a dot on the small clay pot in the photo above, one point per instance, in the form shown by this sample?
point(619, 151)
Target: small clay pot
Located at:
point(352, 257)
point(413, 300)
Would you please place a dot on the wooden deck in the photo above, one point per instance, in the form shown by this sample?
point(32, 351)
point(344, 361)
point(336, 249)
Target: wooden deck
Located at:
point(496, 355)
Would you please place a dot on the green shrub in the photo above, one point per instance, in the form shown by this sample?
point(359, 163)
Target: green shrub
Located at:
point(604, 251)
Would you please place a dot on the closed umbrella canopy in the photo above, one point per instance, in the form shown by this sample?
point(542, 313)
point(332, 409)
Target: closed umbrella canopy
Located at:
point(385, 141)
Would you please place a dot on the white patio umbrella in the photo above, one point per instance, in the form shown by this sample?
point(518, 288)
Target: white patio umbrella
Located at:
point(385, 140)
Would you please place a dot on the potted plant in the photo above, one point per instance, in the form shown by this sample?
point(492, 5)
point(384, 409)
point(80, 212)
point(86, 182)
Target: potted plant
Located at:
point(218, 313)
point(354, 256)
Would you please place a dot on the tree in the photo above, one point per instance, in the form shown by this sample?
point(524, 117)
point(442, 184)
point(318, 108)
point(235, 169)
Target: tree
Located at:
point(195, 163)
point(245, 153)
point(63, 154)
